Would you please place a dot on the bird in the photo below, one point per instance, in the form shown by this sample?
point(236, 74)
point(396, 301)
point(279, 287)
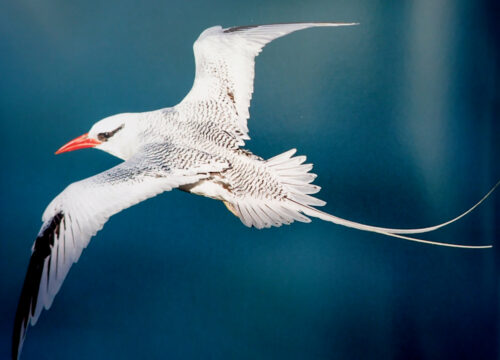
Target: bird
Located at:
point(196, 146)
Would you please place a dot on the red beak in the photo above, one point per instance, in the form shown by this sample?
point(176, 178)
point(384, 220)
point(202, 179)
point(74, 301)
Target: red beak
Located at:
point(81, 142)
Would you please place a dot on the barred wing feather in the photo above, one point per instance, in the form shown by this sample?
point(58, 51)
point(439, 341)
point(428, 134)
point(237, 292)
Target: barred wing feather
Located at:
point(225, 60)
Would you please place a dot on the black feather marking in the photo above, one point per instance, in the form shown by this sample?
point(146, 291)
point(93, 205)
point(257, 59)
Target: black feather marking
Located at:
point(29, 294)
point(239, 28)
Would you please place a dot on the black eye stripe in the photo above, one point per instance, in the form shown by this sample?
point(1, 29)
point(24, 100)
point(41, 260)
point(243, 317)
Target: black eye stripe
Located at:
point(106, 135)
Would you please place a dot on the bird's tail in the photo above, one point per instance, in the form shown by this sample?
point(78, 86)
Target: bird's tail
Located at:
point(397, 233)
point(307, 208)
point(297, 204)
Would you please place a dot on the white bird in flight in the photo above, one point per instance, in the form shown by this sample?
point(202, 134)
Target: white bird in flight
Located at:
point(194, 146)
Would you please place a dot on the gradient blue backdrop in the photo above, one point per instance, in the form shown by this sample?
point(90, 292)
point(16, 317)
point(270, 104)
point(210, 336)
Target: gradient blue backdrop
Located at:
point(400, 116)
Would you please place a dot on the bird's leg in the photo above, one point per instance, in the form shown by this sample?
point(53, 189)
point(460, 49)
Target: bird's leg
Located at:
point(231, 208)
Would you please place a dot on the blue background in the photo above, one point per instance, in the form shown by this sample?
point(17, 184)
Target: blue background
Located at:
point(400, 116)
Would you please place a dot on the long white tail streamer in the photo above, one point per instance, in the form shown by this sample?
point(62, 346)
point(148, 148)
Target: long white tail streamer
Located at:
point(397, 232)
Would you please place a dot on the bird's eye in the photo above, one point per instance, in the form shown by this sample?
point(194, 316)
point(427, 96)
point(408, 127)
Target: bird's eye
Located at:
point(104, 136)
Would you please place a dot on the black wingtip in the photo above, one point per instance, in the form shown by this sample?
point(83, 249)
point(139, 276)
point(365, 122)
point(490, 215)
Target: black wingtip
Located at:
point(239, 28)
point(27, 302)
point(246, 27)
point(26, 307)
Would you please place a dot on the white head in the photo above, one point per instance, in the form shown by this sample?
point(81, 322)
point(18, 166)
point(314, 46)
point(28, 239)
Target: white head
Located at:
point(116, 135)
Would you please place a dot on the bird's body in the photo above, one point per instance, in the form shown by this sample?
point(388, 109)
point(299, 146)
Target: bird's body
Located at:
point(195, 146)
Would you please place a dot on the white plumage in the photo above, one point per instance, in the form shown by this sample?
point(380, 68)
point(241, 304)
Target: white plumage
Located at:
point(194, 146)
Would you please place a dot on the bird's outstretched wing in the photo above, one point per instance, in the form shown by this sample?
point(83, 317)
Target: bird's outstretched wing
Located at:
point(225, 60)
point(81, 210)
